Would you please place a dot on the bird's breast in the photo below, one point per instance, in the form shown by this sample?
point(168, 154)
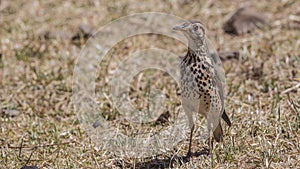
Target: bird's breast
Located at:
point(195, 79)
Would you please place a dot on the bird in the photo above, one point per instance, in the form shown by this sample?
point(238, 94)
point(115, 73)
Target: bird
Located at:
point(202, 82)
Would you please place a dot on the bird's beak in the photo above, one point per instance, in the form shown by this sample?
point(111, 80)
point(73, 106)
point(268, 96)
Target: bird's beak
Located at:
point(180, 28)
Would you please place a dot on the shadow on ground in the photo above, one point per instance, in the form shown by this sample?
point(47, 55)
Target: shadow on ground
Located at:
point(166, 162)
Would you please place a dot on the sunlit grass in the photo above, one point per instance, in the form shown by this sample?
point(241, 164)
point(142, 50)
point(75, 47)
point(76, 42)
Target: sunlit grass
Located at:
point(36, 80)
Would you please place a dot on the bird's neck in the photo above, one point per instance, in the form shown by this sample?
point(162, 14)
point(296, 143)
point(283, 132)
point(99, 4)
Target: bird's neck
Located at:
point(197, 51)
point(198, 46)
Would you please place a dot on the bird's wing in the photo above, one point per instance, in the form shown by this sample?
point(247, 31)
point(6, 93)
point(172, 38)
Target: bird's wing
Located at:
point(217, 63)
point(219, 75)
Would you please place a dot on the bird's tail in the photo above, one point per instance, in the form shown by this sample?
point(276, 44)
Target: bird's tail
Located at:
point(218, 133)
point(226, 118)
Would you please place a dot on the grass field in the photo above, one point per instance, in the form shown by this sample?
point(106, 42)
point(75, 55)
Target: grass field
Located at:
point(39, 44)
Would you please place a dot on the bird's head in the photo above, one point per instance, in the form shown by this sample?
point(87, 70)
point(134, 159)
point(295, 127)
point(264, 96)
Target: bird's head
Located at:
point(194, 31)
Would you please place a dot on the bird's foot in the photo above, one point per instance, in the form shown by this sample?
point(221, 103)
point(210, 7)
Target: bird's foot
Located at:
point(204, 151)
point(189, 154)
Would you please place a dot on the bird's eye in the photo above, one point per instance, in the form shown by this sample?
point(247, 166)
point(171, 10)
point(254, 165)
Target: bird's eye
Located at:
point(196, 28)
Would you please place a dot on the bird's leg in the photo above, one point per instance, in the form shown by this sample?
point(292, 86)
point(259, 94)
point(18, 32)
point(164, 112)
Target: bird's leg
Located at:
point(189, 154)
point(211, 146)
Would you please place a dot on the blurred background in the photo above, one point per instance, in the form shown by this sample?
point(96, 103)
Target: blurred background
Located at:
point(39, 44)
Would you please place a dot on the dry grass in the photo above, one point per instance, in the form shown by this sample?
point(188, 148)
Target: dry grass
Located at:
point(36, 79)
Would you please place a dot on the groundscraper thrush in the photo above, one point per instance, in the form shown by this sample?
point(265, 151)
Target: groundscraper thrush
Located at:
point(202, 80)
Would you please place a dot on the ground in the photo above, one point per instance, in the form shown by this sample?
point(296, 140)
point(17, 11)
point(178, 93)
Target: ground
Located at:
point(39, 45)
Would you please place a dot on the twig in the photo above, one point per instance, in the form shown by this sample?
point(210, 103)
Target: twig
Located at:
point(292, 104)
point(28, 160)
point(20, 150)
point(290, 89)
point(40, 146)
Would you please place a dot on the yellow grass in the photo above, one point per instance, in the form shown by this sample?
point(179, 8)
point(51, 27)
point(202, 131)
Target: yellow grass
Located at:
point(263, 94)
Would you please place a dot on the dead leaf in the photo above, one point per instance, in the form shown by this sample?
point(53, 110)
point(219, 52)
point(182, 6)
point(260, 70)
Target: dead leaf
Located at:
point(85, 31)
point(228, 55)
point(163, 118)
point(294, 21)
point(1, 63)
point(245, 20)
point(62, 35)
point(10, 113)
